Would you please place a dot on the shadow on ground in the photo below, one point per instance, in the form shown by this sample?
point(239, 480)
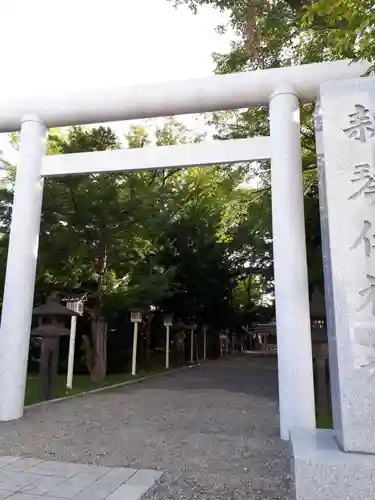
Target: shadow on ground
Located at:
point(213, 428)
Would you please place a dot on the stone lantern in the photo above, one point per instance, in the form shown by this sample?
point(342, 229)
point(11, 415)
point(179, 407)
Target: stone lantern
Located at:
point(52, 317)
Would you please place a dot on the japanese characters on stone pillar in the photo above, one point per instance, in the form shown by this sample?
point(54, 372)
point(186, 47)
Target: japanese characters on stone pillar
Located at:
point(345, 146)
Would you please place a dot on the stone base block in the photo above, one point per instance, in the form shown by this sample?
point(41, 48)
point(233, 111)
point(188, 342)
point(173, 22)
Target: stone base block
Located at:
point(322, 471)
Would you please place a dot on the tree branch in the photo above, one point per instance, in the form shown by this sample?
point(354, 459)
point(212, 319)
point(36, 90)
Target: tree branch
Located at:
point(153, 177)
point(169, 174)
point(74, 201)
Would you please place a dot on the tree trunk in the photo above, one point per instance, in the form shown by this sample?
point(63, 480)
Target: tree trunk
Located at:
point(96, 346)
point(95, 349)
point(99, 336)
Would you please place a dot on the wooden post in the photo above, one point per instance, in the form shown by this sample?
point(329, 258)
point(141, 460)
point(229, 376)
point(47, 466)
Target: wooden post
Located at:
point(48, 367)
point(320, 351)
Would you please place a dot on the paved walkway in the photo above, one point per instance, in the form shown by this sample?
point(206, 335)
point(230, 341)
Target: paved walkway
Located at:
point(213, 429)
point(35, 479)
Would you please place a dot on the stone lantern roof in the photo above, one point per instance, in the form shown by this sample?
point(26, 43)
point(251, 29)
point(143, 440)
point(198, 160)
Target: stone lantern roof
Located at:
point(53, 309)
point(179, 325)
point(48, 331)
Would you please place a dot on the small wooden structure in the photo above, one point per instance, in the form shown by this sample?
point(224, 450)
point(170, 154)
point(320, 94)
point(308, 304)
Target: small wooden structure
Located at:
point(261, 335)
point(320, 352)
point(51, 326)
point(75, 302)
point(224, 342)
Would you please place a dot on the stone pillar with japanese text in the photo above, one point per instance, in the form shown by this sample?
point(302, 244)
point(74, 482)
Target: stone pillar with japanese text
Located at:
point(348, 212)
point(340, 463)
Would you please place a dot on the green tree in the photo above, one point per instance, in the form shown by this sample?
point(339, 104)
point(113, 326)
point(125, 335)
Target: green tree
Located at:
point(104, 232)
point(349, 24)
point(282, 33)
point(82, 235)
point(169, 239)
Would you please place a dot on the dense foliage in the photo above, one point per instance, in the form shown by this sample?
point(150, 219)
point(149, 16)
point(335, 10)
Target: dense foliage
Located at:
point(275, 33)
point(181, 240)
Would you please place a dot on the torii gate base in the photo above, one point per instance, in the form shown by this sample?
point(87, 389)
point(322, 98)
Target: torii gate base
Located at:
point(280, 88)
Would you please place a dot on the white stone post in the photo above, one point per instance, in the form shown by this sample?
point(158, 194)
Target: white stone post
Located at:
point(135, 318)
point(21, 268)
point(295, 368)
point(167, 342)
point(72, 343)
point(168, 322)
point(135, 347)
point(77, 307)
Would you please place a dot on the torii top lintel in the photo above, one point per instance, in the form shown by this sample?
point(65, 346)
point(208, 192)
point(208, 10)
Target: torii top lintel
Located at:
point(213, 93)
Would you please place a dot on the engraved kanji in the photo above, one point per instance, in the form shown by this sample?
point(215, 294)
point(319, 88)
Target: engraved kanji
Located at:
point(366, 237)
point(370, 360)
point(369, 294)
point(361, 125)
point(367, 354)
point(363, 177)
point(363, 344)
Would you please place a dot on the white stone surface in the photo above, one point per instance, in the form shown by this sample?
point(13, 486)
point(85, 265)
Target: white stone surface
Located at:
point(20, 272)
point(214, 93)
point(348, 212)
point(29, 479)
point(323, 471)
point(289, 252)
point(150, 157)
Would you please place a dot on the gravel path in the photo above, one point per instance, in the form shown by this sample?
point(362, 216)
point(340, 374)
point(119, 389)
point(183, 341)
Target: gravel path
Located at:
point(213, 428)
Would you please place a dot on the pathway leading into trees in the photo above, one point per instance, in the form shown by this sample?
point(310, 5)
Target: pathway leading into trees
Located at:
point(213, 429)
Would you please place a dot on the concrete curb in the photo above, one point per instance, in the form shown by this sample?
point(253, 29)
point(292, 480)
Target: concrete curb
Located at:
point(116, 386)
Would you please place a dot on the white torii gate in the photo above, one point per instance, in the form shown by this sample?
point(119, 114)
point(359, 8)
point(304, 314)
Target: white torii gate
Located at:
point(282, 89)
